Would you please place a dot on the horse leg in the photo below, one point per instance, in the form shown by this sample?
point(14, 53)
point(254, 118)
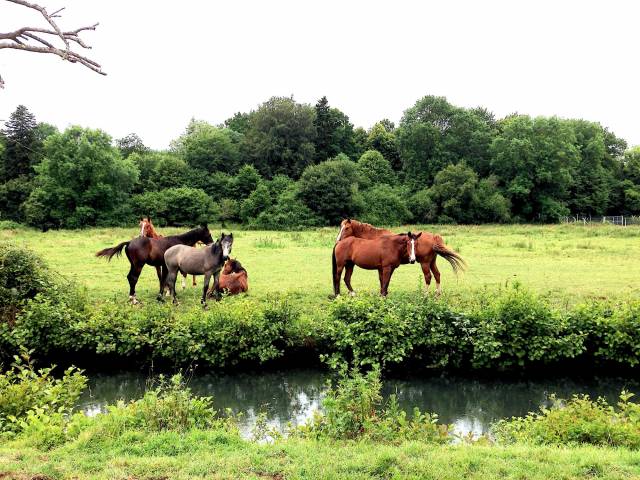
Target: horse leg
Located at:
point(386, 278)
point(205, 288)
point(427, 275)
point(336, 279)
point(348, 271)
point(184, 281)
point(216, 285)
point(134, 274)
point(436, 275)
point(171, 278)
point(193, 281)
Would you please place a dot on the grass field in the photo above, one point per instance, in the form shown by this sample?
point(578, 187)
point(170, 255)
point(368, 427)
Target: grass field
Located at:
point(568, 262)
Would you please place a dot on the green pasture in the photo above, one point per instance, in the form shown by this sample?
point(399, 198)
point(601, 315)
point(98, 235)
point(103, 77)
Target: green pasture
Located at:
point(568, 262)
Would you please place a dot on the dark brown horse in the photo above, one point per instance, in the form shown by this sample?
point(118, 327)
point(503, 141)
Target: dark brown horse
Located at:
point(148, 230)
point(384, 253)
point(427, 249)
point(143, 251)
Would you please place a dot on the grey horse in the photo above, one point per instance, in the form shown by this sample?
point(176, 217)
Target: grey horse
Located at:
point(193, 261)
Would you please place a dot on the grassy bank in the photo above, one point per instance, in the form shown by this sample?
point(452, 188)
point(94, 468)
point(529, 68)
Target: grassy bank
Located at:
point(568, 262)
point(212, 454)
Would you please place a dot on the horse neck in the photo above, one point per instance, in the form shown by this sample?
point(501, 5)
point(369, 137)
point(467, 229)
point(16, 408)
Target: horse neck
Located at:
point(364, 230)
point(152, 232)
point(188, 238)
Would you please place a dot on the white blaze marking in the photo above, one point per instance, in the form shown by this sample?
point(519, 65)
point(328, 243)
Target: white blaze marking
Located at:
point(226, 249)
point(340, 233)
point(142, 230)
point(413, 251)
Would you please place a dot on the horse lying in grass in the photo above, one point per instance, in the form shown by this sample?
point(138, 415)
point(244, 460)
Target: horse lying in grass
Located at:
point(143, 251)
point(148, 230)
point(206, 261)
point(428, 248)
point(234, 278)
point(384, 253)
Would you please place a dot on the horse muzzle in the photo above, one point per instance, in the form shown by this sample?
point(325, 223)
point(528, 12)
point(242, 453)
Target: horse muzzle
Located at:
point(412, 262)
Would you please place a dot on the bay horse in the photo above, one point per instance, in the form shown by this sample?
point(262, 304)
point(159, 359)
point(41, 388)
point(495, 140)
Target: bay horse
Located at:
point(384, 253)
point(143, 251)
point(234, 278)
point(207, 261)
point(148, 230)
point(427, 250)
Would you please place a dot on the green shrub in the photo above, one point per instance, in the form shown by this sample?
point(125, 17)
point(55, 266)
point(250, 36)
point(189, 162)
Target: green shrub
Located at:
point(176, 206)
point(385, 205)
point(27, 394)
point(519, 328)
point(353, 408)
point(576, 421)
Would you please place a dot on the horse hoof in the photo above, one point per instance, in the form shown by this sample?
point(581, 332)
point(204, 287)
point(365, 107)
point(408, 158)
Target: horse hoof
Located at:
point(160, 298)
point(352, 293)
point(134, 300)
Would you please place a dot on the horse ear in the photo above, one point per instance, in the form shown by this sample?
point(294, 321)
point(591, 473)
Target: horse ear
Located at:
point(418, 236)
point(348, 220)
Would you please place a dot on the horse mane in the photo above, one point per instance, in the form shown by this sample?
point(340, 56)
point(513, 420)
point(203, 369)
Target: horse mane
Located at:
point(361, 227)
point(153, 233)
point(190, 237)
point(236, 267)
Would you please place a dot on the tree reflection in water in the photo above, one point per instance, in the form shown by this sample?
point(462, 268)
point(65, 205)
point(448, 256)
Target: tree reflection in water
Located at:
point(293, 395)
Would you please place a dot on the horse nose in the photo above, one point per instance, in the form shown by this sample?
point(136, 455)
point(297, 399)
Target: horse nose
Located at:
point(412, 262)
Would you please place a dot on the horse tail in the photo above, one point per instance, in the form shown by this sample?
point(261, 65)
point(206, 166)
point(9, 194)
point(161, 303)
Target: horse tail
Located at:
point(110, 252)
point(457, 262)
point(334, 265)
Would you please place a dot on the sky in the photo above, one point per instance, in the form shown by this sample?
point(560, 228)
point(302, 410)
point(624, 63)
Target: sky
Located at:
point(170, 61)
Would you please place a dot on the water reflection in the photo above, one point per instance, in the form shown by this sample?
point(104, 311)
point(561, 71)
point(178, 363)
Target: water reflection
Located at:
point(471, 405)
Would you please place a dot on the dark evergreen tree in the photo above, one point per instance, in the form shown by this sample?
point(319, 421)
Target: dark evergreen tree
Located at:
point(21, 148)
point(325, 126)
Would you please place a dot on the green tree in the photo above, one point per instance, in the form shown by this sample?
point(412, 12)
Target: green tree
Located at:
point(21, 145)
point(245, 182)
point(385, 205)
point(329, 189)
point(457, 195)
point(536, 161)
point(383, 140)
point(630, 184)
point(359, 142)
point(374, 169)
point(281, 136)
point(208, 148)
point(182, 206)
point(238, 123)
point(334, 132)
point(433, 134)
point(81, 181)
point(129, 144)
point(258, 201)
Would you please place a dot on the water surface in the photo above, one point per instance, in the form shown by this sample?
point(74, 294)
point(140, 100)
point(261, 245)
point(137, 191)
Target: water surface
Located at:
point(471, 405)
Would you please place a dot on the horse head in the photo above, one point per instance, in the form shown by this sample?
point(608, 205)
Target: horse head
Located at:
point(146, 227)
point(205, 235)
point(411, 246)
point(226, 242)
point(346, 229)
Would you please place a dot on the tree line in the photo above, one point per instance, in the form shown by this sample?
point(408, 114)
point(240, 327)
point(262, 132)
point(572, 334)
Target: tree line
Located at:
point(288, 164)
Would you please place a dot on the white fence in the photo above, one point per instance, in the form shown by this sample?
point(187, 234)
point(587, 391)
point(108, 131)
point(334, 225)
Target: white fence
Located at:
point(621, 220)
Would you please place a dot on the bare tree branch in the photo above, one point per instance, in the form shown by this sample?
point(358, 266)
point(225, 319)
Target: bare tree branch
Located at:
point(41, 40)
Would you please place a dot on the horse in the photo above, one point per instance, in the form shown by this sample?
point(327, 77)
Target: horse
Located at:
point(206, 261)
point(143, 251)
point(148, 230)
point(234, 278)
point(384, 253)
point(427, 249)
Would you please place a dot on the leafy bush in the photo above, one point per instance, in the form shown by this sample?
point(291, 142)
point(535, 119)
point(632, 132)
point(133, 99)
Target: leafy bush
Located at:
point(27, 393)
point(287, 213)
point(176, 206)
point(579, 420)
point(519, 328)
point(374, 169)
point(353, 408)
point(385, 206)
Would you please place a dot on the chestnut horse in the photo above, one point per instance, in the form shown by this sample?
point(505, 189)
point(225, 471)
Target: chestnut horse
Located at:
point(234, 278)
point(143, 251)
point(384, 253)
point(148, 230)
point(427, 249)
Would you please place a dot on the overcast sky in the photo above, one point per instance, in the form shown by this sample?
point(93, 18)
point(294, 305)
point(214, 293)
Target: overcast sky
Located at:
point(170, 61)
